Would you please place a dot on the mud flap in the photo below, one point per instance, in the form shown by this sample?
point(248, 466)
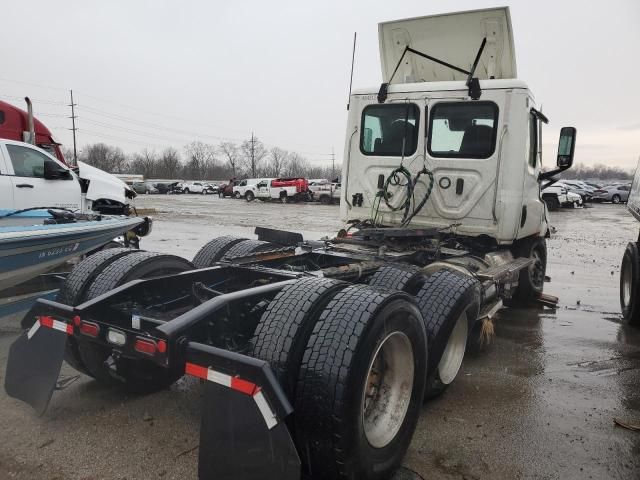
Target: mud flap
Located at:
point(242, 434)
point(235, 442)
point(33, 366)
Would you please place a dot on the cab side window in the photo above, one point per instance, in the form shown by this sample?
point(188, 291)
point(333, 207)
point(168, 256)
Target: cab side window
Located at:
point(389, 130)
point(27, 162)
point(533, 140)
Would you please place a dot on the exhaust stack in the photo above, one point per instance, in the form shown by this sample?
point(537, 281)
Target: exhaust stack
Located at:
point(30, 135)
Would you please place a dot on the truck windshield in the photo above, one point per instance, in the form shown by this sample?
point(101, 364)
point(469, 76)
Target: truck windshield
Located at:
point(463, 129)
point(387, 129)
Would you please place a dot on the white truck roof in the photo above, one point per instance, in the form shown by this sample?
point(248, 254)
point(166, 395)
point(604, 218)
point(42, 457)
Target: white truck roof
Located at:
point(453, 38)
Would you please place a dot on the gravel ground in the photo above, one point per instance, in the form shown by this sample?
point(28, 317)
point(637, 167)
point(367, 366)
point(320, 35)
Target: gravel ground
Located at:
point(539, 402)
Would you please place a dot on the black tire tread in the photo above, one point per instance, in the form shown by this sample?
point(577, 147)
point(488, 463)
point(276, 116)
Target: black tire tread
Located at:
point(397, 276)
point(331, 346)
point(117, 272)
point(245, 248)
point(84, 272)
point(443, 294)
point(632, 313)
point(284, 329)
point(214, 250)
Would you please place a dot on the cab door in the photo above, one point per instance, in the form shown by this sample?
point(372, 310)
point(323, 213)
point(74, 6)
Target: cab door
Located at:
point(6, 186)
point(28, 183)
point(462, 151)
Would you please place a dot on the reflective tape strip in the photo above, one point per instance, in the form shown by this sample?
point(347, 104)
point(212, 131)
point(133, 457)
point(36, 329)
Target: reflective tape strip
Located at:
point(269, 417)
point(49, 322)
point(239, 385)
point(34, 328)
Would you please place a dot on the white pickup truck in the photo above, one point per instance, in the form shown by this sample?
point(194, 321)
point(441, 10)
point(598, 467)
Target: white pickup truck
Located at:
point(30, 177)
point(325, 192)
point(248, 188)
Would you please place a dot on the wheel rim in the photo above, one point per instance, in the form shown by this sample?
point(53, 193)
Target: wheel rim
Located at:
point(536, 269)
point(387, 390)
point(627, 281)
point(616, 199)
point(451, 360)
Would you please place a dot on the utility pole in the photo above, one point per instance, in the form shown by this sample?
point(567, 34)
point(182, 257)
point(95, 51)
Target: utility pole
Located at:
point(73, 123)
point(333, 165)
point(253, 156)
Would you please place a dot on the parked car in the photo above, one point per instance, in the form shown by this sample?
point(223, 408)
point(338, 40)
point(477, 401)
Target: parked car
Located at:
point(144, 187)
point(193, 187)
point(210, 189)
point(557, 195)
point(575, 186)
point(612, 193)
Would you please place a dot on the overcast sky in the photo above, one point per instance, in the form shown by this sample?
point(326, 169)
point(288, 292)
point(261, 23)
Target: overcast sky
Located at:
point(159, 73)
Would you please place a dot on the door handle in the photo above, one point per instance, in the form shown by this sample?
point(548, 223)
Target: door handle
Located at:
point(24, 185)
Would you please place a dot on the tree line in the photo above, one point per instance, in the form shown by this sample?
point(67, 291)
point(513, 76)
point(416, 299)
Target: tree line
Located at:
point(204, 161)
point(599, 171)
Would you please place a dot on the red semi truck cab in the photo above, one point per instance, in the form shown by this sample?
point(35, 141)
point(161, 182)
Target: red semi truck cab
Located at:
point(14, 125)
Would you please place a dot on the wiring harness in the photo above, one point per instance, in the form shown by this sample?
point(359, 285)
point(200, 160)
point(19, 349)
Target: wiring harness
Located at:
point(400, 178)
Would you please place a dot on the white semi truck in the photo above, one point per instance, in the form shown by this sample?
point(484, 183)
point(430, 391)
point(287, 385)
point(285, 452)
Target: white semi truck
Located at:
point(317, 355)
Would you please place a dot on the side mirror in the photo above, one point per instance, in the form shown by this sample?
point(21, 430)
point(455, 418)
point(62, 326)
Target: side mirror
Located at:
point(566, 147)
point(53, 171)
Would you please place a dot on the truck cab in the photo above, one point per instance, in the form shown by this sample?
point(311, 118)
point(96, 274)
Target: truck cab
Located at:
point(31, 177)
point(468, 133)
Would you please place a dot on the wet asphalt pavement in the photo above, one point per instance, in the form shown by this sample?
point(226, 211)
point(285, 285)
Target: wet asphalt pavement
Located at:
point(538, 402)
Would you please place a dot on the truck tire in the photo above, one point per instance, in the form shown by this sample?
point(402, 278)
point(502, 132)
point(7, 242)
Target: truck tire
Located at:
point(360, 385)
point(186, 190)
point(285, 327)
point(531, 280)
point(247, 247)
point(398, 276)
point(325, 199)
point(552, 202)
point(284, 198)
point(74, 287)
point(449, 303)
point(249, 196)
point(137, 376)
point(213, 251)
point(237, 195)
point(630, 284)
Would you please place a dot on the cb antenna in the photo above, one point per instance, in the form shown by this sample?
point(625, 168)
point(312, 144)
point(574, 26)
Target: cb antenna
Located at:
point(353, 57)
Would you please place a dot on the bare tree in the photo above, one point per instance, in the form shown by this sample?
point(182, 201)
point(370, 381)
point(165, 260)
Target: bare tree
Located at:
point(297, 165)
point(231, 154)
point(200, 156)
point(253, 151)
point(277, 161)
point(145, 163)
point(105, 157)
point(169, 163)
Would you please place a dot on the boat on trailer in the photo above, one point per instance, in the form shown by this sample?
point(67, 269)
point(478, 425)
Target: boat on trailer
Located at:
point(34, 241)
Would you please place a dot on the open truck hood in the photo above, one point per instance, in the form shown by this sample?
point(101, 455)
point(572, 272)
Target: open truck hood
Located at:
point(453, 38)
point(103, 185)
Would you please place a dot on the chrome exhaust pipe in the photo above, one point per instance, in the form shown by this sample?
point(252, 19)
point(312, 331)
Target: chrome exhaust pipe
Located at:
point(31, 133)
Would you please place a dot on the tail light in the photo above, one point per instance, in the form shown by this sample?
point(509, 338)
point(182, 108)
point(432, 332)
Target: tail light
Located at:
point(89, 328)
point(145, 345)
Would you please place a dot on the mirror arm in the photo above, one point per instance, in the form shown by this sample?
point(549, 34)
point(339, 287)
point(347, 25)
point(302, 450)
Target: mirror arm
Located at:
point(551, 173)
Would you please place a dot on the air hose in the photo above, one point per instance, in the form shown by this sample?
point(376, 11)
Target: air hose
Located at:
point(395, 179)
